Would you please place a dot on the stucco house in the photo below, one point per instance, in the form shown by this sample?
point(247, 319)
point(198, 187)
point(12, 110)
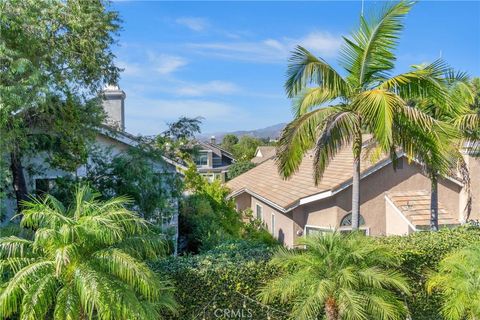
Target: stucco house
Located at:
point(212, 161)
point(111, 137)
point(393, 202)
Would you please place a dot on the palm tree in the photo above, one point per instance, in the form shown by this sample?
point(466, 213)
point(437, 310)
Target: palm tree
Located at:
point(343, 277)
point(457, 280)
point(84, 262)
point(456, 111)
point(337, 110)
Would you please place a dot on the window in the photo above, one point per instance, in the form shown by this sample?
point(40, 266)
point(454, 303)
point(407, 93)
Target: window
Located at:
point(347, 220)
point(201, 159)
point(346, 224)
point(259, 212)
point(273, 224)
point(312, 230)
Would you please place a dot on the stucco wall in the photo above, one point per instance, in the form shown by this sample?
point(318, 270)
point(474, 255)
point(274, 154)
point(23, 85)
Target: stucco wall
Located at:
point(395, 224)
point(474, 168)
point(284, 226)
point(329, 212)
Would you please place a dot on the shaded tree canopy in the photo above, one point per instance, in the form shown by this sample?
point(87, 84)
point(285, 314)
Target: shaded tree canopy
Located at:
point(55, 57)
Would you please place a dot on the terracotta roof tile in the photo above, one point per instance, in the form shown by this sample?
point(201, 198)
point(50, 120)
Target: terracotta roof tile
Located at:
point(415, 206)
point(265, 180)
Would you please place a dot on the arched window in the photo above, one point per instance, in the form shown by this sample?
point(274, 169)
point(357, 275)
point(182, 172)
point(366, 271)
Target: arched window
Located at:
point(347, 220)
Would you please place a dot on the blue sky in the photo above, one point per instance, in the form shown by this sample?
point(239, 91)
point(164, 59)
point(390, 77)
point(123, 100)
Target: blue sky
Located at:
point(226, 61)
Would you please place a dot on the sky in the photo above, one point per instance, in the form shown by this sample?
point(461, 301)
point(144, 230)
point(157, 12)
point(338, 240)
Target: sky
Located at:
point(227, 61)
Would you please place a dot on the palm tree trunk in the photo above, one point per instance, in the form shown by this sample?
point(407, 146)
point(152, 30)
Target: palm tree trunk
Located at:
point(434, 202)
point(331, 309)
point(18, 178)
point(357, 148)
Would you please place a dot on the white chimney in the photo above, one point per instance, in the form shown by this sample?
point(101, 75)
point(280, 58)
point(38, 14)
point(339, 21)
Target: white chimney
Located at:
point(212, 140)
point(114, 107)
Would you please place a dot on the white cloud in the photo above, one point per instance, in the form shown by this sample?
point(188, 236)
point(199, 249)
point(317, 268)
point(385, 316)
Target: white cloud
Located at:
point(211, 87)
point(193, 23)
point(165, 64)
point(270, 50)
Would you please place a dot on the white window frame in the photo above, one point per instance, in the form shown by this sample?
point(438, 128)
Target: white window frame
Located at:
point(367, 229)
point(320, 228)
point(273, 223)
point(257, 205)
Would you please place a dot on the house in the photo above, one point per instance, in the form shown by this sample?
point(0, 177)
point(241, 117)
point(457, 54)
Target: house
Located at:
point(111, 138)
point(393, 202)
point(212, 161)
point(263, 153)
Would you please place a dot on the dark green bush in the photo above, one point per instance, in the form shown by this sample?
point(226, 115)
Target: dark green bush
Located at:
point(420, 253)
point(221, 279)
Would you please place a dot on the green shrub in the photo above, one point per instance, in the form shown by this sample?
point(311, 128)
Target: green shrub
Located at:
point(207, 218)
point(238, 168)
point(420, 253)
point(220, 279)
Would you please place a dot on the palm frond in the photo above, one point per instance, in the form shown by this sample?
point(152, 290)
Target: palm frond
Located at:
point(298, 137)
point(310, 98)
point(368, 54)
point(338, 130)
point(305, 69)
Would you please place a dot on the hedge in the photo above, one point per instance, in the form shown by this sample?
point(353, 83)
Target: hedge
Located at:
point(218, 278)
point(420, 253)
point(225, 279)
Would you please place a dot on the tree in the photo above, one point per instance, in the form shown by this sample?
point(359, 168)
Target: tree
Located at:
point(175, 142)
point(55, 57)
point(446, 158)
point(338, 110)
point(238, 168)
point(83, 262)
point(228, 141)
point(246, 147)
point(343, 277)
point(457, 281)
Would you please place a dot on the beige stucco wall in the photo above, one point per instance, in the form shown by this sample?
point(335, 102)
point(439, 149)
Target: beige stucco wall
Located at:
point(474, 171)
point(395, 223)
point(329, 212)
point(284, 226)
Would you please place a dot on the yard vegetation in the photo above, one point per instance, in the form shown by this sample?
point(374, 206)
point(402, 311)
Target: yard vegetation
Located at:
point(94, 249)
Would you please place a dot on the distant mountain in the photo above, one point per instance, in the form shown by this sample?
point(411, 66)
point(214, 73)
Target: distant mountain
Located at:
point(272, 132)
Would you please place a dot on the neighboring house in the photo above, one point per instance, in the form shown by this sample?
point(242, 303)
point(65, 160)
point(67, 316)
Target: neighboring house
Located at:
point(111, 138)
point(393, 202)
point(263, 153)
point(212, 161)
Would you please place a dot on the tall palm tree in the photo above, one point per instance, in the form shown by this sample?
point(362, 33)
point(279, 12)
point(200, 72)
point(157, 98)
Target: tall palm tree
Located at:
point(332, 111)
point(457, 280)
point(84, 262)
point(343, 277)
point(455, 113)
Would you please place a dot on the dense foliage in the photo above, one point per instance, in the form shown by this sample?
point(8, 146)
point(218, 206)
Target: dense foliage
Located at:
point(50, 69)
point(213, 279)
point(224, 279)
point(457, 280)
point(84, 261)
point(238, 168)
point(243, 149)
point(151, 187)
point(339, 276)
point(420, 254)
point(207, 219)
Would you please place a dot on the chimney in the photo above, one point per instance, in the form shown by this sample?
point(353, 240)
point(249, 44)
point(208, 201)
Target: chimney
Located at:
point(114, 107)
point(212, 140)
